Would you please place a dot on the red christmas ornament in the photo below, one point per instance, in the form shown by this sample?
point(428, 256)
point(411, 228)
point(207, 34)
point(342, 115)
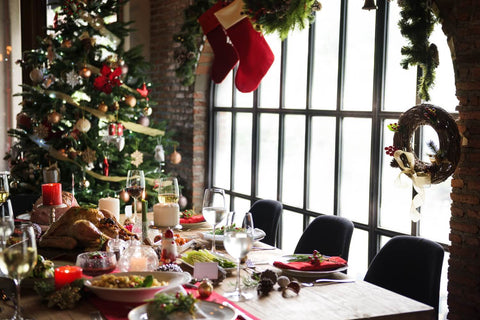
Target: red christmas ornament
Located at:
point(24, 121)
point(108, 79)
point(112, 129)
point(105, 167)
point(143, 91)
point(120, 128)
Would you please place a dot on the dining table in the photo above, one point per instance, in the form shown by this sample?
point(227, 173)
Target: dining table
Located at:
point(356, 299)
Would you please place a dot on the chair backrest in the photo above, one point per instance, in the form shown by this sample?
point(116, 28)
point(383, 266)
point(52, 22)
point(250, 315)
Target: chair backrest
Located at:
point(329, 235)
point(266, 214)
point(410, 266)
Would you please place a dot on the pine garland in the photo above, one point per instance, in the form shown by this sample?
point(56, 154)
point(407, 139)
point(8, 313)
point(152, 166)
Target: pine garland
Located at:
point(416, 24)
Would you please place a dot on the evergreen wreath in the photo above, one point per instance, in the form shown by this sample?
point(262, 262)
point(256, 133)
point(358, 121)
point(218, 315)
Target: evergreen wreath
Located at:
point(416, 24)
point(446, 156)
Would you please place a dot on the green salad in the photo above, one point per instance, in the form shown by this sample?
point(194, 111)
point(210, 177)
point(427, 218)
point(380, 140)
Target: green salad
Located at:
point(191, 257)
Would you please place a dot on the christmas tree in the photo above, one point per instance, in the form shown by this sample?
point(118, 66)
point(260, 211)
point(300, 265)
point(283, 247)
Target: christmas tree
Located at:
point(87, 109)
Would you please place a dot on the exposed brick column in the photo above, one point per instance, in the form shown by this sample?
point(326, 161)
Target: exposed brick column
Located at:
point(462, 24)
point(185, 108)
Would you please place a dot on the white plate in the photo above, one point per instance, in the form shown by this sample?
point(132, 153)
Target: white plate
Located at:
point(212, 309)
point(309, 274)
point(195, 225)
point(228, 270)
point(24, 216)
point(258, 234)
point(138, 295)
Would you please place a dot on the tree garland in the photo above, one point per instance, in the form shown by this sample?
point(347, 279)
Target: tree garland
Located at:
point(416, 24)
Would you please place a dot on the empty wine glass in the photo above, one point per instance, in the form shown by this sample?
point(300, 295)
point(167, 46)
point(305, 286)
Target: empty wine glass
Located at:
point(135, 187)
point(213, 209)
point(18, 259)
point(168, 190)
point(238, 241)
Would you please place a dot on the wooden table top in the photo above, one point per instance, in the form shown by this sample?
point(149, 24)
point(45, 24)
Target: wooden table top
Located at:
point(357, 300)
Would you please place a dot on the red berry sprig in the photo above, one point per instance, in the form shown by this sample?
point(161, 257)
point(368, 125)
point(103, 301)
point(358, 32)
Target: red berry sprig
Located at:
point(316, 258)
point(390, 150)
point(393, 127)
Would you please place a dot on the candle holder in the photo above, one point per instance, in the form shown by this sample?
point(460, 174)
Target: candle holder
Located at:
point(51, 208)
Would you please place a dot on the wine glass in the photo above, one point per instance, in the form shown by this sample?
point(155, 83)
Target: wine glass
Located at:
point(214, 209)
point(135, 187)
point(168, 190)
point(18, 259)
point(238, 241)
point(7, 223)
point(4, 188)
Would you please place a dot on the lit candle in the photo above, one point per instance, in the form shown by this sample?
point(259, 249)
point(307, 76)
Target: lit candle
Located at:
point(66, 274)
point(110, 204)
point(52, 194)
point(138, 264)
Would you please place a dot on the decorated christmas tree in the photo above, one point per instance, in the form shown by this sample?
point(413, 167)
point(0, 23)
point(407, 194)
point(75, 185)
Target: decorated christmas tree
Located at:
point(86, 114)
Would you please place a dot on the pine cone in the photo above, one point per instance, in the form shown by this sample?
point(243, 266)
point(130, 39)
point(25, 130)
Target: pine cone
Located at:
point(264, 287)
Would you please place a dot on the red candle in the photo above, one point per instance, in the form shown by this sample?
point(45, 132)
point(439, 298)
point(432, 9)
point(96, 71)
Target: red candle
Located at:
point(66, 274)
point(51, 194)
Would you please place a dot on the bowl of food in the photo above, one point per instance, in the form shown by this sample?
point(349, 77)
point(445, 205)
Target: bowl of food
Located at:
point(137, 286)
point(97, 262)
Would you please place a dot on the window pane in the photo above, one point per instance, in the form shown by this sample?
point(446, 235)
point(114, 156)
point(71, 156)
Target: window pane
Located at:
point(224, 92)
point(443, 93)
point(296, 70)
point(435, 211)
point(270, 86)
point(293, 160)
point(243, 153)
point(396, 191)
point(292, 229)
point(222, 152)
point(327, 22)
point(241, 205)
point(359, 58)
point(398, 97)
point(243, 100)
point(322, 165)
point(355, 169)
point(358, 254)
point(268, 157)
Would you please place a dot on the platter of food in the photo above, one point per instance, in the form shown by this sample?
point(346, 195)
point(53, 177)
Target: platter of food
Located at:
point(137, 286)
point(203, 310)
point(191, 257)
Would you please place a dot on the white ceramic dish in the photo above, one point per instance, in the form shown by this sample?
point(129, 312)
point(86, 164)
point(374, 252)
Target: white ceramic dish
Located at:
point(138, 295)
point(306, 274)
point(212, 309)
point(228, 270)
point(258, 234)
point(196, 225)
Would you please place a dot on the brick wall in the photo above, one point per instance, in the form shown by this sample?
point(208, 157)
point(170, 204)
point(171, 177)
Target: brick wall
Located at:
point(185, 108)
point(462, 24)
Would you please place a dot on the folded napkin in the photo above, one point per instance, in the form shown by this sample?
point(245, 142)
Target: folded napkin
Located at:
point(194, 219)
point(329, 263)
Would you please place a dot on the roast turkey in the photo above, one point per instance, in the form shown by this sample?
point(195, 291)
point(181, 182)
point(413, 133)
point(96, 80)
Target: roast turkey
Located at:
point(84, 228)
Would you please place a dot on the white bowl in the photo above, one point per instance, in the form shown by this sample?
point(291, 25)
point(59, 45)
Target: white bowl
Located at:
point(138, 295)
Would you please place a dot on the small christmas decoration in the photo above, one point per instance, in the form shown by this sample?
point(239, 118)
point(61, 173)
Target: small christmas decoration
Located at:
point(147, 111)
point(137, 158)
point(143, 91)
point(144, 121)
point(89, 155)
point(120, 143)
point(85, 72)
point(124, 196)
point(108, 79)
point(73, 79)
point(105, 166)
point(159, 153)
point(175, 157)
point(205, 288)
point(36, 75)
point(54, 117)
point(83, 125)
point(84, 183)
point(102, 107)
point(130, 101)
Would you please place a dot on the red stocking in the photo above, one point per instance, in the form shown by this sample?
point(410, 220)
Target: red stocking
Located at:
point(254, 53)
point(225, 55)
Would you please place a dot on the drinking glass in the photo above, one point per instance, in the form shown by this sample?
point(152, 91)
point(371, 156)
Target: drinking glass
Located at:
point(135, 187)
point(238, 241)
point(7, 223)
point(168, 190)
point(4, 188)
point(18, 259)
point(213, 209)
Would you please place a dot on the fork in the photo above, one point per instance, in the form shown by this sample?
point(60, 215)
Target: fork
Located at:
point(311, 284)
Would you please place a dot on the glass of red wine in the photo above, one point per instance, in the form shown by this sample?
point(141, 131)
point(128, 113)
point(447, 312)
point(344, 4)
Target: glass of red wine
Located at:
point(135, 187)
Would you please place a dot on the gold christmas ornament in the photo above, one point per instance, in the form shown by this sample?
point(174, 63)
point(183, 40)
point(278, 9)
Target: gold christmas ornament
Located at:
point(84, 183)
point(85, 72)
point(131, 101)
point(175, 157)
point(115, 106)
point(36, 75)
point(205, 289)
point(124, 196)
point(102, 107)
point(67, 43)
point(83, 125)
point(54, 117)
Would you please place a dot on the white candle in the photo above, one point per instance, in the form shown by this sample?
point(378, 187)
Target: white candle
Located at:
point(138, 264)
point(110, 204)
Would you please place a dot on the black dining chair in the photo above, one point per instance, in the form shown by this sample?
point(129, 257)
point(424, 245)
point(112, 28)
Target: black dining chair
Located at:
point(266, 215)
point(329, 235)
point(410, 266)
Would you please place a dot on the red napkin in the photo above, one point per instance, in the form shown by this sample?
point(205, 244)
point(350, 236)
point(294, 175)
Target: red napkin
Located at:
point(112, 310)
point(330, 263)
point(194, 219)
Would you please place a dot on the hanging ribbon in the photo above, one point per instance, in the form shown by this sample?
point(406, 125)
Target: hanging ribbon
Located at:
point(419, 180)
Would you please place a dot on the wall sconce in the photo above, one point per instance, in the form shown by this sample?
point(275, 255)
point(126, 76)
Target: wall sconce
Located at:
point(369, 5)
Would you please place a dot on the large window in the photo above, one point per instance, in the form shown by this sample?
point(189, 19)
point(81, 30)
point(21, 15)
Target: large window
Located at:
point(313, 135)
